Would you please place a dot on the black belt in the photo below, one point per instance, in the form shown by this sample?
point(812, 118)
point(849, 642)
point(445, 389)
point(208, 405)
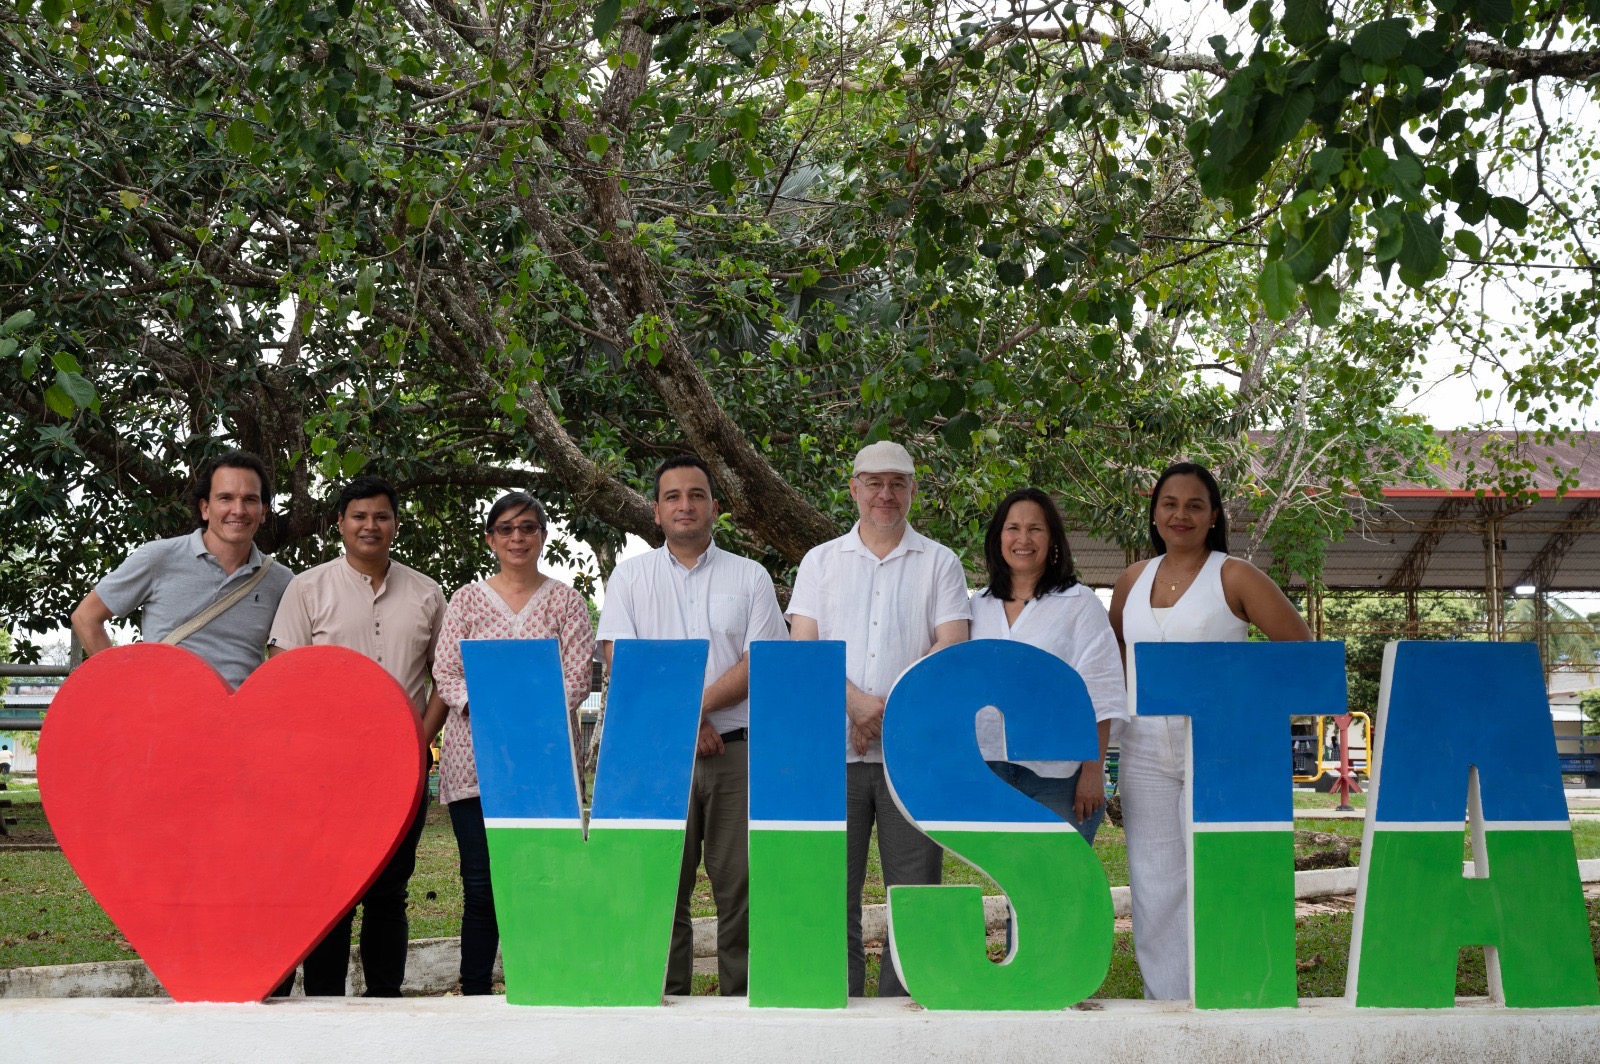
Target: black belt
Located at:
point(738, 735)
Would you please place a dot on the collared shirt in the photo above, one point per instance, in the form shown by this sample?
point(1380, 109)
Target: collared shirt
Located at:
point(886, 610)
point(1072, 625)
point(726, 599)
point(333, 604)
point(172, 580)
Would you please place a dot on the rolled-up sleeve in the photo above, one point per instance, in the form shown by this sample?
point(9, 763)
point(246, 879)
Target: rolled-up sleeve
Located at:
point(1093, 652)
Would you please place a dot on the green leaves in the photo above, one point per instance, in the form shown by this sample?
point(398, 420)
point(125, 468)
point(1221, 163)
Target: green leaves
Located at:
point(241, 136)
point(742, 43)
point(1322, 297)
point(1011, 273)
point(366, 290)
point(1381, 41)
point(957, 432)
point(1511, 213)
point(887, 228)
point(605, 16)
point(71, 391)
point(9, 343)
point(745, 120)
point(1420, 250)
point(16, 322)
point(1305, 22)
point(1277, 289)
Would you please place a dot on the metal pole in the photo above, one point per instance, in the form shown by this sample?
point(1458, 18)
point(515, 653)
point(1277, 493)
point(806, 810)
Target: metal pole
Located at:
point(1493, 574)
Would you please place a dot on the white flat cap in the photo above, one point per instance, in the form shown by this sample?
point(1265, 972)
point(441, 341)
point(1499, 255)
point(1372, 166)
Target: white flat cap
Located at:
point(885, 456)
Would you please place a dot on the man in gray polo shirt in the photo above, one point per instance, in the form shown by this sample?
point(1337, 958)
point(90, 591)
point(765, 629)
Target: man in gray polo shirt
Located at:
point(174, 580)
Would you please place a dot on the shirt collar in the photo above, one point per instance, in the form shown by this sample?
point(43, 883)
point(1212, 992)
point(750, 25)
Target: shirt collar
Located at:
point(911, 540)
point(702, 562)
point(362, 578)
point(197, 545)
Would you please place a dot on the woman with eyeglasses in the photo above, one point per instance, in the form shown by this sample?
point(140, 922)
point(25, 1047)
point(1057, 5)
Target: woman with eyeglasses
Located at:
point(517, 602)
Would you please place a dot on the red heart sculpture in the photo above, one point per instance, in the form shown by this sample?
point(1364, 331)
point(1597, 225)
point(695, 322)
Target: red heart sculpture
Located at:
point(225, 831)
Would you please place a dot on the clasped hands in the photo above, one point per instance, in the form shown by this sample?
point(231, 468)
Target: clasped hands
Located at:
point(865, 714)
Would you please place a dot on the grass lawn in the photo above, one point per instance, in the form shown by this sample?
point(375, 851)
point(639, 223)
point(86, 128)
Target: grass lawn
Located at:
point(46, 917)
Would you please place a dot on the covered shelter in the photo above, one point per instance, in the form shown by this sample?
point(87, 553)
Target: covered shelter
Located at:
point(1455, 535)
point(1450, 534)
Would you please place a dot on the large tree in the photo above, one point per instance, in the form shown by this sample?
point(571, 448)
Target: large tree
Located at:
point(476, 246)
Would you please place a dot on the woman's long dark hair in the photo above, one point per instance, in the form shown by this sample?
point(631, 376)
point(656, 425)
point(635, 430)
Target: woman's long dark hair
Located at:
point(1057, 575)
point(1217, 537)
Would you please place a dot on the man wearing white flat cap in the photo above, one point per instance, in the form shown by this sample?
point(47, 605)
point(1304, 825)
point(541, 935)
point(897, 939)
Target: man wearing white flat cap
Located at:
point(893, 596)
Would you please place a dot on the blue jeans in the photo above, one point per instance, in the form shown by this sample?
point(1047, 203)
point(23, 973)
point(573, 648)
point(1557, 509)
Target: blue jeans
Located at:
point(1055, 794)
point(480, 931)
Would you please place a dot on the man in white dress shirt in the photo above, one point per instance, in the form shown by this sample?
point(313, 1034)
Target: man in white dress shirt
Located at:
point(689, 589)
point(893, 596)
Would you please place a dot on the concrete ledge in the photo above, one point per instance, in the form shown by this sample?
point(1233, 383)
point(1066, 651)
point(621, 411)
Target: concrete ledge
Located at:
point(702, 1030)
point(433, 966)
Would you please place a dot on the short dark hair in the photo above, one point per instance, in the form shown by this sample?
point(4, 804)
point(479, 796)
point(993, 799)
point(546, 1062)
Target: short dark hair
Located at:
point(516, 503)
point(366, 488)
point(1217, 537)
point(685, 461)
point(229, 460)
point(1057, 575)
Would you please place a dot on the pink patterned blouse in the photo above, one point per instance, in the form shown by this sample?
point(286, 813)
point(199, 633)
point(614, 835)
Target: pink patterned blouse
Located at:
point(555, 611)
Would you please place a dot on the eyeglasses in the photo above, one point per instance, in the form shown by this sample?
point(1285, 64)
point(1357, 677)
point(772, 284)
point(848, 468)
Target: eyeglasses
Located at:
point(874, 485)
point(528, 528)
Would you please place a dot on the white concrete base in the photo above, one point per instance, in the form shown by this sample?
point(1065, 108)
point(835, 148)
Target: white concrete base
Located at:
point(709, 1030)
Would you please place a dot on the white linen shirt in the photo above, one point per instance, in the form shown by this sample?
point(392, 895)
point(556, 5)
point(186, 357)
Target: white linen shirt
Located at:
point(726, 599)
point(1072, 625)
point(886, 610)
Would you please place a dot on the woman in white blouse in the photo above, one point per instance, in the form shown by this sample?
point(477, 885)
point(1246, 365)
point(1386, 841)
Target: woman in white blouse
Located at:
point(1033, 596)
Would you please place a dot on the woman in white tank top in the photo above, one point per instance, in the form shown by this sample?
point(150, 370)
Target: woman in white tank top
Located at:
point(1190, 592)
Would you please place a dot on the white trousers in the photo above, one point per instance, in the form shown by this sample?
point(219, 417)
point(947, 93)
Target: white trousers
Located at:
point(1152, 773)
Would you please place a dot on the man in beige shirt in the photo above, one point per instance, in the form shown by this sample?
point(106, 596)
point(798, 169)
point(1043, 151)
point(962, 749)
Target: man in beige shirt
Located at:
point(370, 603)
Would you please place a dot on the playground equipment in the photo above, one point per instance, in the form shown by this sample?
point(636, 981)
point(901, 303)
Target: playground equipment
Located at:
point(1332, 759)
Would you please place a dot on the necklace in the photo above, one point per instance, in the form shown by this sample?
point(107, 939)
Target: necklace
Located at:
point(1184, 578)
